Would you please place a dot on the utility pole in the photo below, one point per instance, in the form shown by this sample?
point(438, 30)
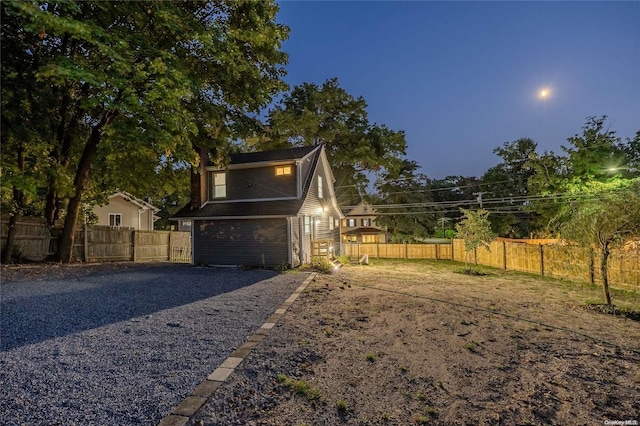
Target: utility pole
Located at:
point(479, 194)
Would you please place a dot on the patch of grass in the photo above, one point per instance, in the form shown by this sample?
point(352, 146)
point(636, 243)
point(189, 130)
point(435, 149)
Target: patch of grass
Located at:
point(431, 411)
point(385, 416)
point(301, 388)
point(371, 357)
point(329, 332)
point(621, 311)
point(404, 369)
point(319, 264)
point(342, 406)
point(472, 347)
point(465, 322)
point(421, 420)
point(420, 396)
point(439, 385)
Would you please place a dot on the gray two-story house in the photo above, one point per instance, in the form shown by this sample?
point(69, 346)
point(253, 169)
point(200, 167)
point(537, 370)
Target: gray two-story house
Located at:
point(263, 209)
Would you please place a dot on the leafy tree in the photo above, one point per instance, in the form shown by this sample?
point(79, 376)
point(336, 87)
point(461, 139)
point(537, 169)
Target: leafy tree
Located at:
point(508, 181)
point(129, 88)
point(403, 204)
point(605, 221)
point(327, 114)
point(584, 170)
point(475, 230)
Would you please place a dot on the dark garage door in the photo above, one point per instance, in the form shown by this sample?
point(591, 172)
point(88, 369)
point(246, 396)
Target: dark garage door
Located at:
point(249, 242)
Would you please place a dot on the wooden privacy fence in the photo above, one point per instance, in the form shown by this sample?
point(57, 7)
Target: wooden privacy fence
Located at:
point(33, 239)
point(553, 260)
point(95, 243)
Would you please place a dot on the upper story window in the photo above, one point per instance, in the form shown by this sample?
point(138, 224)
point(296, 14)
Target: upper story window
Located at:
point(283, 170)
point(351, 223)
point(320, 188)
point(366, 222)
point(217, 185)
point(331, 223)
point(307, 225)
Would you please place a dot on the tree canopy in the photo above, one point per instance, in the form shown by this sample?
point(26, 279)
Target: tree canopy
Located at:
point(327, 114)
point(99, 95)
point(606, 220)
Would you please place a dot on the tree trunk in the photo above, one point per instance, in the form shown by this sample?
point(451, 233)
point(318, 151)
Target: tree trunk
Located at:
point(604, 257)
point(7, 252)
point(50, 205)
point(80, 183)
point(18, 204)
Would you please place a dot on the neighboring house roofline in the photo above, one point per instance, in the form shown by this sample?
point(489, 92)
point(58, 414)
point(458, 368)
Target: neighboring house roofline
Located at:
point(135, 200)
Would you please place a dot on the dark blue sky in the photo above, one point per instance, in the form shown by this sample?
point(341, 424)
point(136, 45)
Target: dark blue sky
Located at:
point(462, 78)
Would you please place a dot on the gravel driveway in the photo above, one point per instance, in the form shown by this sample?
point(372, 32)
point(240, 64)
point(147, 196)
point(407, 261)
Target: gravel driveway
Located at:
point(121, 346)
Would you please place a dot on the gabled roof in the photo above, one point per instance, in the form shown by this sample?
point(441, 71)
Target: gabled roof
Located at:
point(264, 208)
point(273, 155)
point(133, 199)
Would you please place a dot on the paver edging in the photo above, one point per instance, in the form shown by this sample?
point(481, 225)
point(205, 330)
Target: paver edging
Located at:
point(190, 406)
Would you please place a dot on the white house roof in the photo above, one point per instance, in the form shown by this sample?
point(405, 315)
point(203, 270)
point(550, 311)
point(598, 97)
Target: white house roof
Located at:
point(137, 201)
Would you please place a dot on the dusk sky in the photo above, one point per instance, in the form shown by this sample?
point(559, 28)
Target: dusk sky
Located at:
point(462, 78)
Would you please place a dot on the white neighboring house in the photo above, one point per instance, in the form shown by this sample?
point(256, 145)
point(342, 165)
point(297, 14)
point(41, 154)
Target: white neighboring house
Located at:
point(125, 210)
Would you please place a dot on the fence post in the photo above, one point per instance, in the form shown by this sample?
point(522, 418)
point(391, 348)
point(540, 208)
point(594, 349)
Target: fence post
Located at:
point(406, 251)
point(592, 268)
point(541, 260)
point(377, 250)
point(437, 257)
point(504, 255)
point(133, 245)
point(169, 247)
point(86, 243)
point(452, 256)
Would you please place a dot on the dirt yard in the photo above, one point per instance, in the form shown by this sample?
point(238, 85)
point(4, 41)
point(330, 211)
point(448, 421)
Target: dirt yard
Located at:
point(415, 342)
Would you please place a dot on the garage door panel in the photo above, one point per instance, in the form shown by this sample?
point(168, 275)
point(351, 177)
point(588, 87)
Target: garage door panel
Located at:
point(241, 242)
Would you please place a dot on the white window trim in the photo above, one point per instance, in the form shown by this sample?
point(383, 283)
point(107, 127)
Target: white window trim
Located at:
point(212, 183)
point(320, 188)
point(114, 215)
point(331, 223)
point(307, 225)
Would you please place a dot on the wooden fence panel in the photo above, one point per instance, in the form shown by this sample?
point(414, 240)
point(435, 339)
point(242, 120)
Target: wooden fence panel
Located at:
point(32, 241)
point(562, 261)
point(523, 257)
point(393, 251)
point(105, 243)
point(180, 247)
point(624, 268)
point(151, 245)
point(421, 251)
point(494, 256)
point(458, 251)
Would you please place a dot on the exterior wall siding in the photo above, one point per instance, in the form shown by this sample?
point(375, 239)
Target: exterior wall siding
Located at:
point(247, 184)
point(296, 243)
point(321, 210)
point(131, 215)
point(248, 242)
